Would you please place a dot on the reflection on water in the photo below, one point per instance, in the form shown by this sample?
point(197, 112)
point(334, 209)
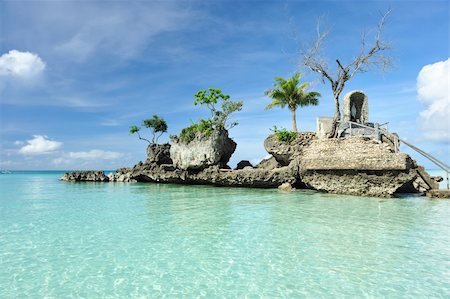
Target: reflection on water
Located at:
point(61, 239)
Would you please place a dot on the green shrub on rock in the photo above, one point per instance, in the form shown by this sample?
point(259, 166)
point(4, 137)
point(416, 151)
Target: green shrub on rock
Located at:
point(219, 119)
point(203, 128)
point(284, 135)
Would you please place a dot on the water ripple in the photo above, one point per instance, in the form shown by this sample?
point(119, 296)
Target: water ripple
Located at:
point(150, 240)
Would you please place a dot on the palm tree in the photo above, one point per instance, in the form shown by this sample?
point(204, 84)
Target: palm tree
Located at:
point(288, 93)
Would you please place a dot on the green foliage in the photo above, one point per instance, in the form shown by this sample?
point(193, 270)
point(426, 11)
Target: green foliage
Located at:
point(220, 116)
point(289, 93)
point(156, 124)
point(284, 135)
point(203, 128)
point(134, 129)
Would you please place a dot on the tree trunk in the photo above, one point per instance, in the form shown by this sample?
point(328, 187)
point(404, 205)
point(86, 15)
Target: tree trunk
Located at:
point(337, 115)
point(294, 121)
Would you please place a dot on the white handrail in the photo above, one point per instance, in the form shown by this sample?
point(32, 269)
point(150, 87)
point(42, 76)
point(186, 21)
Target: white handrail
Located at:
point(437, 162)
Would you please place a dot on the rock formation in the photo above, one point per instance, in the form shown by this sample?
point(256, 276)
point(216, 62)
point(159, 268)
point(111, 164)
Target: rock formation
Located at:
point(268, 164)
point(159, 154)
point(242, 164)
point(285, 152)
point(202, 152)
point(352, 165)
point(86, 175)
point(359, 166)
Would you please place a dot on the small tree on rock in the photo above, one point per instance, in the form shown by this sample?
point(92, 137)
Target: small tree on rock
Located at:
point(210, 98)
point(157, 126)
point(289, 93)
point(220, 116)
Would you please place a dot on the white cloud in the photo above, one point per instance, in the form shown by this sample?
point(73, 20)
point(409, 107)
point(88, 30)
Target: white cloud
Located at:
point(40, 144)
point(88, 158)
point(21, 64)
point(95, 155)
point(110, 123)
point(433, 89)
point(18, 142)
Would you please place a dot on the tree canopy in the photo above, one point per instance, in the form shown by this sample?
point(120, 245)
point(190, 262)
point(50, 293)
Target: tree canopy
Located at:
point(290, 93)
point(157, 126)
point(220, 116)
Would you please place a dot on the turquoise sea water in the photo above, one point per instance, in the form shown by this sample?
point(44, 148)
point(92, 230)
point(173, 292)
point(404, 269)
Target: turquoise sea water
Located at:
point(119, 240)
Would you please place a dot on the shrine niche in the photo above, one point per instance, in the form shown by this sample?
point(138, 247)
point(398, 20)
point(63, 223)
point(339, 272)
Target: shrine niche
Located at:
point(355, 107)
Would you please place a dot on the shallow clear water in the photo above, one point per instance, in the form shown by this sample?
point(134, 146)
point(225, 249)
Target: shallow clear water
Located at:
point(98, 240)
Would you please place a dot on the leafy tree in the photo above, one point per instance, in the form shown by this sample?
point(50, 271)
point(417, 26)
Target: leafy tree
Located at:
point(289, 93)
point(156, 124)
point(210, 98)
point(367, 58)
point(220, 116)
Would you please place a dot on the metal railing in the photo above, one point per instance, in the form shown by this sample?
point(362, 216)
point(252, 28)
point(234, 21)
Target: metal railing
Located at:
point(378, 130)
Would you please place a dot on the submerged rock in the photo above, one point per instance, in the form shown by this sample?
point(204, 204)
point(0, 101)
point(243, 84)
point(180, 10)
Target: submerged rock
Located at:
point(286, 187)
point(203, 152)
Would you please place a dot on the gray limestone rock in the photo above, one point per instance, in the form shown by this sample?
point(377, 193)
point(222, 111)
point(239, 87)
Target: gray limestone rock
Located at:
point(242, 164)
point(203, 152)
point(268, 164)
point(159, 154)
point(286, 187)
point(285, 152)
point(360, 166)
point(353, 165)
point(86, 175)
point(247, 177)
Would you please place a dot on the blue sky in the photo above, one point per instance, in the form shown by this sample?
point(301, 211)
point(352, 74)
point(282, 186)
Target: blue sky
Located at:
point(75, 75)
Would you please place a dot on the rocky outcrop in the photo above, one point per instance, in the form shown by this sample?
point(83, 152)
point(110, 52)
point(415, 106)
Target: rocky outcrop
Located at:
point(422, 182)
point(358, 166)
point(285, 152)
point(247, 177)
point(202, 152)
point(159, 154)
point(87, 175)
point(268, 164)
point(242, 164)
point(286, 187)
point(121, 175)
point(357, 182)
point(353, 165)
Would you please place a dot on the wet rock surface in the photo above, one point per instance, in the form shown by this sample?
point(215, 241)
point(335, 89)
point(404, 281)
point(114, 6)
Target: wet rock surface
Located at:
point(85, 175)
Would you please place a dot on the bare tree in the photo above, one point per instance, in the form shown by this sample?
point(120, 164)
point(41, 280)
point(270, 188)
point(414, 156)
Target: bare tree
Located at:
point(367, 58)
